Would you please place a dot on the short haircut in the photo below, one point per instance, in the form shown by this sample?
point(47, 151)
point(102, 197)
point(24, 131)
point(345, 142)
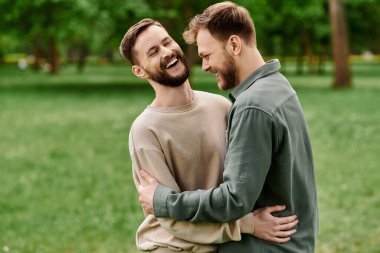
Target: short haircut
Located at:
point(222, 20)
point(127, 44)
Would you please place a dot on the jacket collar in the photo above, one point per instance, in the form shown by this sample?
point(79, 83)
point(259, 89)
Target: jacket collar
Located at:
point(268, 68)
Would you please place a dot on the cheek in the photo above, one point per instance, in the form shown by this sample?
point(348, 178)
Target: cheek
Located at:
point(217, 62)
point(212, 63)
point(154, 63)
point(218, 67)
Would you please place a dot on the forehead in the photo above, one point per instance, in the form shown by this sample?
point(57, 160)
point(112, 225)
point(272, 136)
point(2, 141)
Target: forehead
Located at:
point(206, 42)
point(151, 36)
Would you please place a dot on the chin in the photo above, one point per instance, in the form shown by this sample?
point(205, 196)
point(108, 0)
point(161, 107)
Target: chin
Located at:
point(223, 86)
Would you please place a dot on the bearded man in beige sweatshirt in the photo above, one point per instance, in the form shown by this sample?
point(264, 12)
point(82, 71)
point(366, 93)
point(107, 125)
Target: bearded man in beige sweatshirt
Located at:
point(181, 135)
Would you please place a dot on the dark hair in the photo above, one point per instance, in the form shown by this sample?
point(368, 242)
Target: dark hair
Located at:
point(222, 20)
point(128, 42)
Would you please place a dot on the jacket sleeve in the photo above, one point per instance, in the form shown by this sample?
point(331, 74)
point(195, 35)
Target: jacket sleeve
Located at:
point(247, 163)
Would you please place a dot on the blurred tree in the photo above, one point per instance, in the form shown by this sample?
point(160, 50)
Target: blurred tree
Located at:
point(80, 26)
point(8, 44)
point(340, 45)
point(113, 20)
point(42, 20)
point(55, 29)
point(291, 28)
point(79, 31)
point(363, 22)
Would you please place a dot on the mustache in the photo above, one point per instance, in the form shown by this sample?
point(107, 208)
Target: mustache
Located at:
point(175, 54)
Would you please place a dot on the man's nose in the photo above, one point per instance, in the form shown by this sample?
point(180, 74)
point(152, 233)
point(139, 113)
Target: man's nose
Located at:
point(166, 52)
point(205, 65)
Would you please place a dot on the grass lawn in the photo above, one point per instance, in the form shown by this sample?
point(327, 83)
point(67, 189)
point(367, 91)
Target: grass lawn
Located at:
point(65, 172)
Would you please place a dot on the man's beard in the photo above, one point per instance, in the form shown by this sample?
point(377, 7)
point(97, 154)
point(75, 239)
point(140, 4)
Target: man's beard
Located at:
point(228, 73)
point(162, 77)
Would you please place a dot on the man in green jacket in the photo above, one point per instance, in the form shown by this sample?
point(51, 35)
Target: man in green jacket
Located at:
point(269, 157)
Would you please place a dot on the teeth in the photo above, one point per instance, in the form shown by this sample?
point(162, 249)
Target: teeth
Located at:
point(171, 63)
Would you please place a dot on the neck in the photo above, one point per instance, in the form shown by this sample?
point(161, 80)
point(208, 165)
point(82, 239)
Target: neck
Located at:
point(251, 60)
point(172, 96)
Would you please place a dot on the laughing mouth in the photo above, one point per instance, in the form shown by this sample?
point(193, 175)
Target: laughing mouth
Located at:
point(171, 63)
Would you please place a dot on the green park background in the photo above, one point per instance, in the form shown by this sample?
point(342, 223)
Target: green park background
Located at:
point(67, 101)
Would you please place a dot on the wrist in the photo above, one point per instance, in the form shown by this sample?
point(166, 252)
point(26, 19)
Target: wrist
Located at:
point(246, 224)
point(159, 201)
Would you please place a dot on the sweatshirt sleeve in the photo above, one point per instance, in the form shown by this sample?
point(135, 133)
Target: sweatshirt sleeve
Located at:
point(247, 163)
point(153, 161)
point(209, 233)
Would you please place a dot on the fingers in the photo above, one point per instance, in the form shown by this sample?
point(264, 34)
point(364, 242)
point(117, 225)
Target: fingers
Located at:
point(272, 228)
point(270, 209)
point(286, 220)
point(145, 201)
point(278, 208)
point(281, 236)
point(147, 177)
point(288, 226)
point(279, 239)
point(284, 234)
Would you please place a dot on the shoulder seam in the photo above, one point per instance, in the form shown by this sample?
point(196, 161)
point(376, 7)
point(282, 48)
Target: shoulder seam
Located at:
point(277, 129)
point(146, 148)
point(255, 108)
point(284, 101)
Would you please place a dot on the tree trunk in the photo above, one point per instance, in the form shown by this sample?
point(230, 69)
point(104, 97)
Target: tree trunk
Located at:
point(37, 53)
point(82, 55)
point(309, 53)
point(109, 55)
point(321, 60)
point(300, 52)
point(53, 56)
point(299, 66)
point(340, 45)
point(283, 56)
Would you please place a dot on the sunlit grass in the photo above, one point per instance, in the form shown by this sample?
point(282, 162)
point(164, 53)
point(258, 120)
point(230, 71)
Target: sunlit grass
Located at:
point(65, 178)
point(344, 127)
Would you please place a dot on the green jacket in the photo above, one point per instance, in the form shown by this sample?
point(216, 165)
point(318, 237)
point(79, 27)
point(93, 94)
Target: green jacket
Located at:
point(268, 162)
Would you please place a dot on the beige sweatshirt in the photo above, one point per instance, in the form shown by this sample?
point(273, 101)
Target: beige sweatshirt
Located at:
point(183, 147)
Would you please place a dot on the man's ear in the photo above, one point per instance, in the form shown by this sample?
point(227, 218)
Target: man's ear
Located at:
point(234, 44)
point(138, 71)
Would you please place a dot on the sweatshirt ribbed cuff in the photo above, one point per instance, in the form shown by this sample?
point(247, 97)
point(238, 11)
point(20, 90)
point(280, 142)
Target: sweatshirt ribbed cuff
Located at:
point(160, 197)
point(246, 224)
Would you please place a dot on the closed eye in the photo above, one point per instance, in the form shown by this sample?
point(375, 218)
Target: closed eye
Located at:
point(152, 52)
point(167, 42)
point(204, 55)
